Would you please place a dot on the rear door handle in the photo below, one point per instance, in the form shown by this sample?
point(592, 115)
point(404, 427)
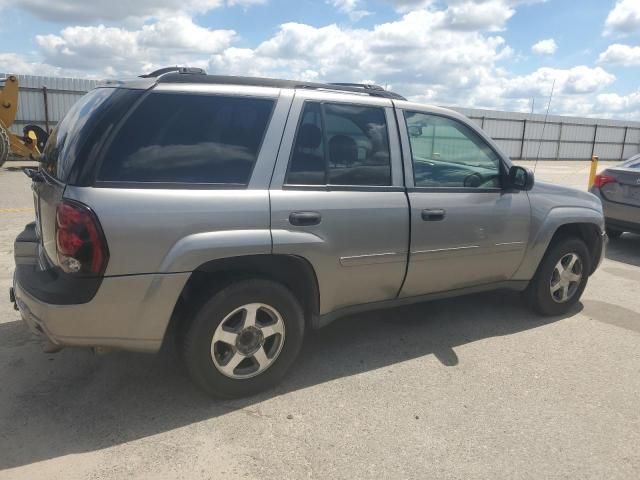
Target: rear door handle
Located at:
point(433, 214)
point(304, 219)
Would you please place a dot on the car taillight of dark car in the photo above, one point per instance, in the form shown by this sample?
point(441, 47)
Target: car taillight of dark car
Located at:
point(601, 180)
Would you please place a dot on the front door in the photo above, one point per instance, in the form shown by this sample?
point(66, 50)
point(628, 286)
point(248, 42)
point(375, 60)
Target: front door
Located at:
point(337, 198)
point(466, 229)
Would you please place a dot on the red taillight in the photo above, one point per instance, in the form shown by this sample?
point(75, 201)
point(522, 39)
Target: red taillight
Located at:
point(80, 244)
point(601, 180)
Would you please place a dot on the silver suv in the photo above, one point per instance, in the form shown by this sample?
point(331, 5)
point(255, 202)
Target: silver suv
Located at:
point(237, 213)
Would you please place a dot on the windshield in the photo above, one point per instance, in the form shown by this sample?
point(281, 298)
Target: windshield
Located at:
point(63, 145)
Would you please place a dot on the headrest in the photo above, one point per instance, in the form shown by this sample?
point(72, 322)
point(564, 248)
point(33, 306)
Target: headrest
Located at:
point(343, 149)
point(309, 136)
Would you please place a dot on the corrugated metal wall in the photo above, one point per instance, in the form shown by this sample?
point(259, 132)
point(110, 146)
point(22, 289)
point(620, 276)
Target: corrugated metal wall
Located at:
point(524, 136)
point(520, 135)
point(61, 94)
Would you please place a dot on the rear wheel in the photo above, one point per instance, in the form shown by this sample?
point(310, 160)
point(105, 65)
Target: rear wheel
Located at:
point(561, 278)
point(613, 233)
point(244, 339)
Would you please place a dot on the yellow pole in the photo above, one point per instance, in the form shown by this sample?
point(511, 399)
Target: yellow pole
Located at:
point(594, 168)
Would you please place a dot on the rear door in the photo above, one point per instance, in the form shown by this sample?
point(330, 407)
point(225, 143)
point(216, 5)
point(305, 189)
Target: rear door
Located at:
point(337, 197)
point(466, 229)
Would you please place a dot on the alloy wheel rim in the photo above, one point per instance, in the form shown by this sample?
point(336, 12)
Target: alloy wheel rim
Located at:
point(248, 341)
point(565, 278)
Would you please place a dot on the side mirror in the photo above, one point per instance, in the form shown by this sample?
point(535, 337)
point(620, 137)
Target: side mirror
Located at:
point(521, 178)
point(415, 130)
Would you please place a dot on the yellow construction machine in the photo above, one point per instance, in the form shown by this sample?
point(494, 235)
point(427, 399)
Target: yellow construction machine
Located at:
point(34, 138)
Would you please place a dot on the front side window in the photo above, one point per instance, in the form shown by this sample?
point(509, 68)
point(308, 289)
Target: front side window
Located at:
point(183, 138)
point(447, 153)
point(338, 144)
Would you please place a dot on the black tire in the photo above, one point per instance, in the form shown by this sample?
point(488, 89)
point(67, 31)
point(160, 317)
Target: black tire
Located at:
point(538, 294)
point(197, 340)
point(613, 233)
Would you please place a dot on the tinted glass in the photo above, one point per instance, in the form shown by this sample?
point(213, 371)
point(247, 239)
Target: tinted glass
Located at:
point(181, 138)
point(69, 136)
point(307, 165)
point(340, 144)
point(447, 153)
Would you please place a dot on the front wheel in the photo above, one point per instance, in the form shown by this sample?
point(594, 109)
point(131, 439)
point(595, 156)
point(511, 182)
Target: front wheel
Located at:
point(244, 339)
point(561, 278)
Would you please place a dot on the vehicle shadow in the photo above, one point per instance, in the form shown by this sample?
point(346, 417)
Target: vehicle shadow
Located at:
point(625, 249)
point(74, 401)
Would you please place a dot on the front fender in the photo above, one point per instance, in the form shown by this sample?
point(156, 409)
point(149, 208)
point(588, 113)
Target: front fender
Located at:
point(542, 233)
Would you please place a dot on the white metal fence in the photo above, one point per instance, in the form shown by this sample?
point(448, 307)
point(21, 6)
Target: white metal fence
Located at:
point(45, 100)
point(524, 136)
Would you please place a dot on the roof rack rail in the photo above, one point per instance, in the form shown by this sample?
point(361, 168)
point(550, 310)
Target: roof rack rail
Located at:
point(371, 90)
point(366, 86)
point(162, 71)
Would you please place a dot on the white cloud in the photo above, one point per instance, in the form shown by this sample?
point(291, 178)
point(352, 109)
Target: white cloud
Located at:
point(545, 47)
point(169, 41)
point(619, 54)
point(408, 5)
point(572, 81)
point(350, 8)
point(489, 15)
point(410, 51)
point(112, 10)
point(423, 54)
point(620, 106)
point(18, 64)
point(485, 15)
point(624, 18)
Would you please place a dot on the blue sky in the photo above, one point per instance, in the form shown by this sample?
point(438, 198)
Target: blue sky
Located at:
point(479, 53)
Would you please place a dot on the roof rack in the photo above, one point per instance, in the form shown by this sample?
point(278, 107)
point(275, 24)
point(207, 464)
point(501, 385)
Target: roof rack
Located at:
point(165, 70)
point(176, 75)
point(366, 86)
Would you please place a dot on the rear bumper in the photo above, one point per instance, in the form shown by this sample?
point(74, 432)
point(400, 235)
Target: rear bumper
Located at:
point(619, 216)
point(128, 312)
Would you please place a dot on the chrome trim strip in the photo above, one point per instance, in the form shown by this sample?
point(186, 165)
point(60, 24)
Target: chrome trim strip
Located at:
point(437, 250)
point(372, 258)
point(509, 243)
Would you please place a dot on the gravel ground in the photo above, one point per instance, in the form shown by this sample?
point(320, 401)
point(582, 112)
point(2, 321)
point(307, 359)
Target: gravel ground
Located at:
point(476, 387)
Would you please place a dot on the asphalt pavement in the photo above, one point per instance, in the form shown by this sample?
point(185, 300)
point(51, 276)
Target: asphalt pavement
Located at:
point(471, 388)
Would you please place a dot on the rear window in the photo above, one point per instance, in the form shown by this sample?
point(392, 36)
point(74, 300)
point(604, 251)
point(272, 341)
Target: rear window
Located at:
point(84, 126)
point(185, 138)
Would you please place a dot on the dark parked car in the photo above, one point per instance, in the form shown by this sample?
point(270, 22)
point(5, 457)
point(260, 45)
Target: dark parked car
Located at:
point(619, 190)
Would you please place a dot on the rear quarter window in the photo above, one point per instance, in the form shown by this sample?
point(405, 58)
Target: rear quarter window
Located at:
point(187, 138)
point(73, 142)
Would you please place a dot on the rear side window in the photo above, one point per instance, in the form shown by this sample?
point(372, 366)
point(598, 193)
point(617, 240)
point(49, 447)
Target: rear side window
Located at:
point(339, 144)
point(184, 138)
point(72, 142)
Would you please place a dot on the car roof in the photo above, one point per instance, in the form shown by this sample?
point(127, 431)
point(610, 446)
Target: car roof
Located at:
point(183, 75)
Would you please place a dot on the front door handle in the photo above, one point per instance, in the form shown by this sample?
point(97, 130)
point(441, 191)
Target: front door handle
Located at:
point(433, 214)
point(304, 219)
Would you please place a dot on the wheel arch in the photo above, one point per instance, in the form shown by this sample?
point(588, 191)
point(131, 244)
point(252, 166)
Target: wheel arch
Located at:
point(294, 272)
point(561, 223)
